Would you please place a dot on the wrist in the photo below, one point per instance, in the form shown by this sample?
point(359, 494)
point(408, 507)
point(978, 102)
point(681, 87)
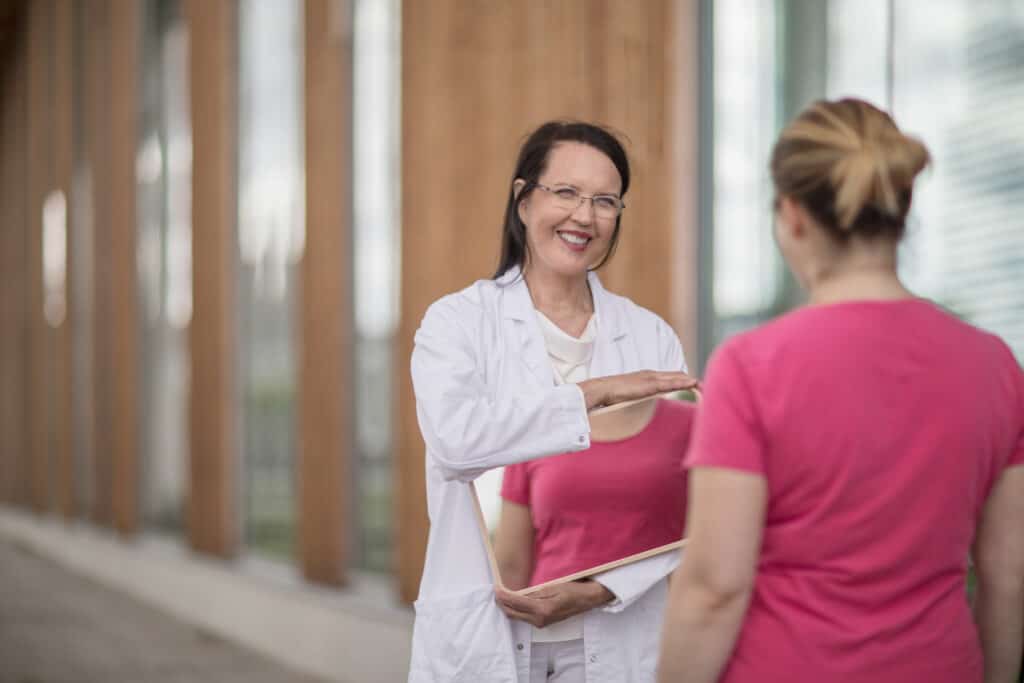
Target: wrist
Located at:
point(597, 594)
point(594, 393)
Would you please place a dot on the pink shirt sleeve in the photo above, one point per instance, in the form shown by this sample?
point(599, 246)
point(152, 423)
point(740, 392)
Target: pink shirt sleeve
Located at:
point(728, 432)
point(515, 484)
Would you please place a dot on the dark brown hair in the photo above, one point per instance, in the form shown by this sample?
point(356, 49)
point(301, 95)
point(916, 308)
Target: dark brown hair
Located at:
point(532, 161)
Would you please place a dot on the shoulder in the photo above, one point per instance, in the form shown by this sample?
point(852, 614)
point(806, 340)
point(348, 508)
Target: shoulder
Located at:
point(650, 329)
point(633, 313)
point(461, 307)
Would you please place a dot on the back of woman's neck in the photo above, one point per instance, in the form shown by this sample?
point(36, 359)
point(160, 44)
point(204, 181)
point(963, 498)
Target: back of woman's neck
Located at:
point(859, 285)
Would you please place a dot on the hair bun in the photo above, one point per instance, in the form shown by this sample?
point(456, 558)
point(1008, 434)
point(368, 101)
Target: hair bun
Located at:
point(879, 172)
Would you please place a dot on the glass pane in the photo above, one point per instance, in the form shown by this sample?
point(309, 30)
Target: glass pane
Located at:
point(164, 174)
point(858, 49)
point(271, 195)
point(376, 191)
point(747, 269)
point(966, 246)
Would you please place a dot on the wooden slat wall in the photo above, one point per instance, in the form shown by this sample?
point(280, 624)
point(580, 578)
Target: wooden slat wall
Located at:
point(63, 150)
point(476, 78)
point(211, 505)
point(8, 289)
point(125, 29)
point(13, 343)
point(98, 135)
point(325, 377)
point(39, 179)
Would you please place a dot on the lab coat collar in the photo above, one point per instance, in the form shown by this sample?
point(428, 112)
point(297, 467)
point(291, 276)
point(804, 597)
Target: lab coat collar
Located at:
point(519, 305)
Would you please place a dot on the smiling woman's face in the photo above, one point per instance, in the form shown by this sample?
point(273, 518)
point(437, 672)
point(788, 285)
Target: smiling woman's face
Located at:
point(563, 242)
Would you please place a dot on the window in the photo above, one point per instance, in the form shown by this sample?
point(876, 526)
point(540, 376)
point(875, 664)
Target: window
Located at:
point(951, 72)
point(271, 224)
point(966, 246)
point(747, 275)
point(164, 175)
point(376, 238)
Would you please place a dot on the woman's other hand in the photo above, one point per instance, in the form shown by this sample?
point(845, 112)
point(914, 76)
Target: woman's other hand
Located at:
point(606, 391)
point(550, 605)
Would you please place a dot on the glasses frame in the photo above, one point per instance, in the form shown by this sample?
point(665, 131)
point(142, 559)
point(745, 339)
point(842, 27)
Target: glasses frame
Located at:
point(582, 198)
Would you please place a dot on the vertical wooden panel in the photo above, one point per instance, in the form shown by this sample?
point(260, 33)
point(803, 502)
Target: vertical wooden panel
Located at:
point(125, 29)
point(99, 133)
point(16, 226)
point(325, 379)
point(63, 113)
point(81, 257)
point(682, 57)
point(8, 319)
point(13, 469)
point(476, 78)
point(211, 504)
point(39, 176)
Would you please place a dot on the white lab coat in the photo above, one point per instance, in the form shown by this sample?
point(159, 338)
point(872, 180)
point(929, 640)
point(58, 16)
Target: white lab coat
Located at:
point(485, 398)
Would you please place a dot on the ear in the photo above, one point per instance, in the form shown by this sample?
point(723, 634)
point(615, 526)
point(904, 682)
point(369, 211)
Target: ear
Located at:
point(517, 187)
point(793, 217)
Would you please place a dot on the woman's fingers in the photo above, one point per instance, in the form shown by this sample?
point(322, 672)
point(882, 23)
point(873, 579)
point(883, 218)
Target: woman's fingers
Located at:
point(521, 607)
point(647, 383)
point(607, 391)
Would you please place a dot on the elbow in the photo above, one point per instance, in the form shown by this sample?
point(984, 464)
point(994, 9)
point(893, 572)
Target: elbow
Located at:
point(1003, 584)
point(1000, 572)
point(452, 462)
point(450, 450)
point(719, 590)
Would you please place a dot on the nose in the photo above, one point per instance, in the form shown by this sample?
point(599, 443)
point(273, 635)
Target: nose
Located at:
point(584, 212)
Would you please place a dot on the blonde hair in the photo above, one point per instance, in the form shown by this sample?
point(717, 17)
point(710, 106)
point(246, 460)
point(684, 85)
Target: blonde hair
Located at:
point(850, 166)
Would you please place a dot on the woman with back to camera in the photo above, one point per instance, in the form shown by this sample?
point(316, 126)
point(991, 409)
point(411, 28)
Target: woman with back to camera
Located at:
point(487, 396)
point(850, 455)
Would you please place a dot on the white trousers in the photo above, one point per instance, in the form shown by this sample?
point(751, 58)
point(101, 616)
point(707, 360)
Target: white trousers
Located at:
point(560, 662)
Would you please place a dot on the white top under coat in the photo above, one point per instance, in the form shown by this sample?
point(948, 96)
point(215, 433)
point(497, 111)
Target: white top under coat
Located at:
point(570, 360)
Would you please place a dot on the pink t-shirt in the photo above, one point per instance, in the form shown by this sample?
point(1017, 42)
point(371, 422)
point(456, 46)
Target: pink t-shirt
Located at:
point(880, 428)
point(615, 499)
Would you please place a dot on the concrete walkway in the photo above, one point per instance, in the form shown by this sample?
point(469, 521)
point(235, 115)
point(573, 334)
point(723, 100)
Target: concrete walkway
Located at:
point(56, 627)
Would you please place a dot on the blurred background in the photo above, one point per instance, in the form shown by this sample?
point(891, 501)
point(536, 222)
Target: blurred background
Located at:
point(222, 220)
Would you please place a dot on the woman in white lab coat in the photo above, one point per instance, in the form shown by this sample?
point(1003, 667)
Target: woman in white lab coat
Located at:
point(489, 394)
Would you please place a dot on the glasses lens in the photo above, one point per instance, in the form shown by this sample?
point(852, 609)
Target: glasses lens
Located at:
point(606, 207)
point(566, 197)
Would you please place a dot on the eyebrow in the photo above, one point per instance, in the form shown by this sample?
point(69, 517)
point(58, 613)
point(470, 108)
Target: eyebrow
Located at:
point(577, 188)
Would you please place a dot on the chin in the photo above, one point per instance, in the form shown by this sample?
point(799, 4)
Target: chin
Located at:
point(577, 268)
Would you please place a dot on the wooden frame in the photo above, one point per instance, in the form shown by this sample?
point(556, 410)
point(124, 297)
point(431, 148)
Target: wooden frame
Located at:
point(589, 571)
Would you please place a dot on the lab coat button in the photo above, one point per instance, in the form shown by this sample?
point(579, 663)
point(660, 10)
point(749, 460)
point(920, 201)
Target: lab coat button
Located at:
point(519, 646)
point(583, 439)
point(593, 659)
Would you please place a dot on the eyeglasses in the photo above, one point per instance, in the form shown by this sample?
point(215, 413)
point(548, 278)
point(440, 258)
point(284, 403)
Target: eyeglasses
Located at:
point(606, 206)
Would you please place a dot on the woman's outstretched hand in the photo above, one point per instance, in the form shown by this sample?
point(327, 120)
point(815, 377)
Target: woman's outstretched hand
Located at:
point(606, 391)
point(555, 603)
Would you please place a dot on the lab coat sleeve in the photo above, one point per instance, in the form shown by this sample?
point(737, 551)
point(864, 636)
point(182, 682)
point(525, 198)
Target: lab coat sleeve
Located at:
point(466, 430)
point(630, 582)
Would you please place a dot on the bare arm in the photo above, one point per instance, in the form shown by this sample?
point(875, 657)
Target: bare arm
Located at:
point(513, 545)
point(999, 563)
point(711, 589)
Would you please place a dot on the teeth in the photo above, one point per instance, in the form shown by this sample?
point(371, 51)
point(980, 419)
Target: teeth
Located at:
point(573, 239)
